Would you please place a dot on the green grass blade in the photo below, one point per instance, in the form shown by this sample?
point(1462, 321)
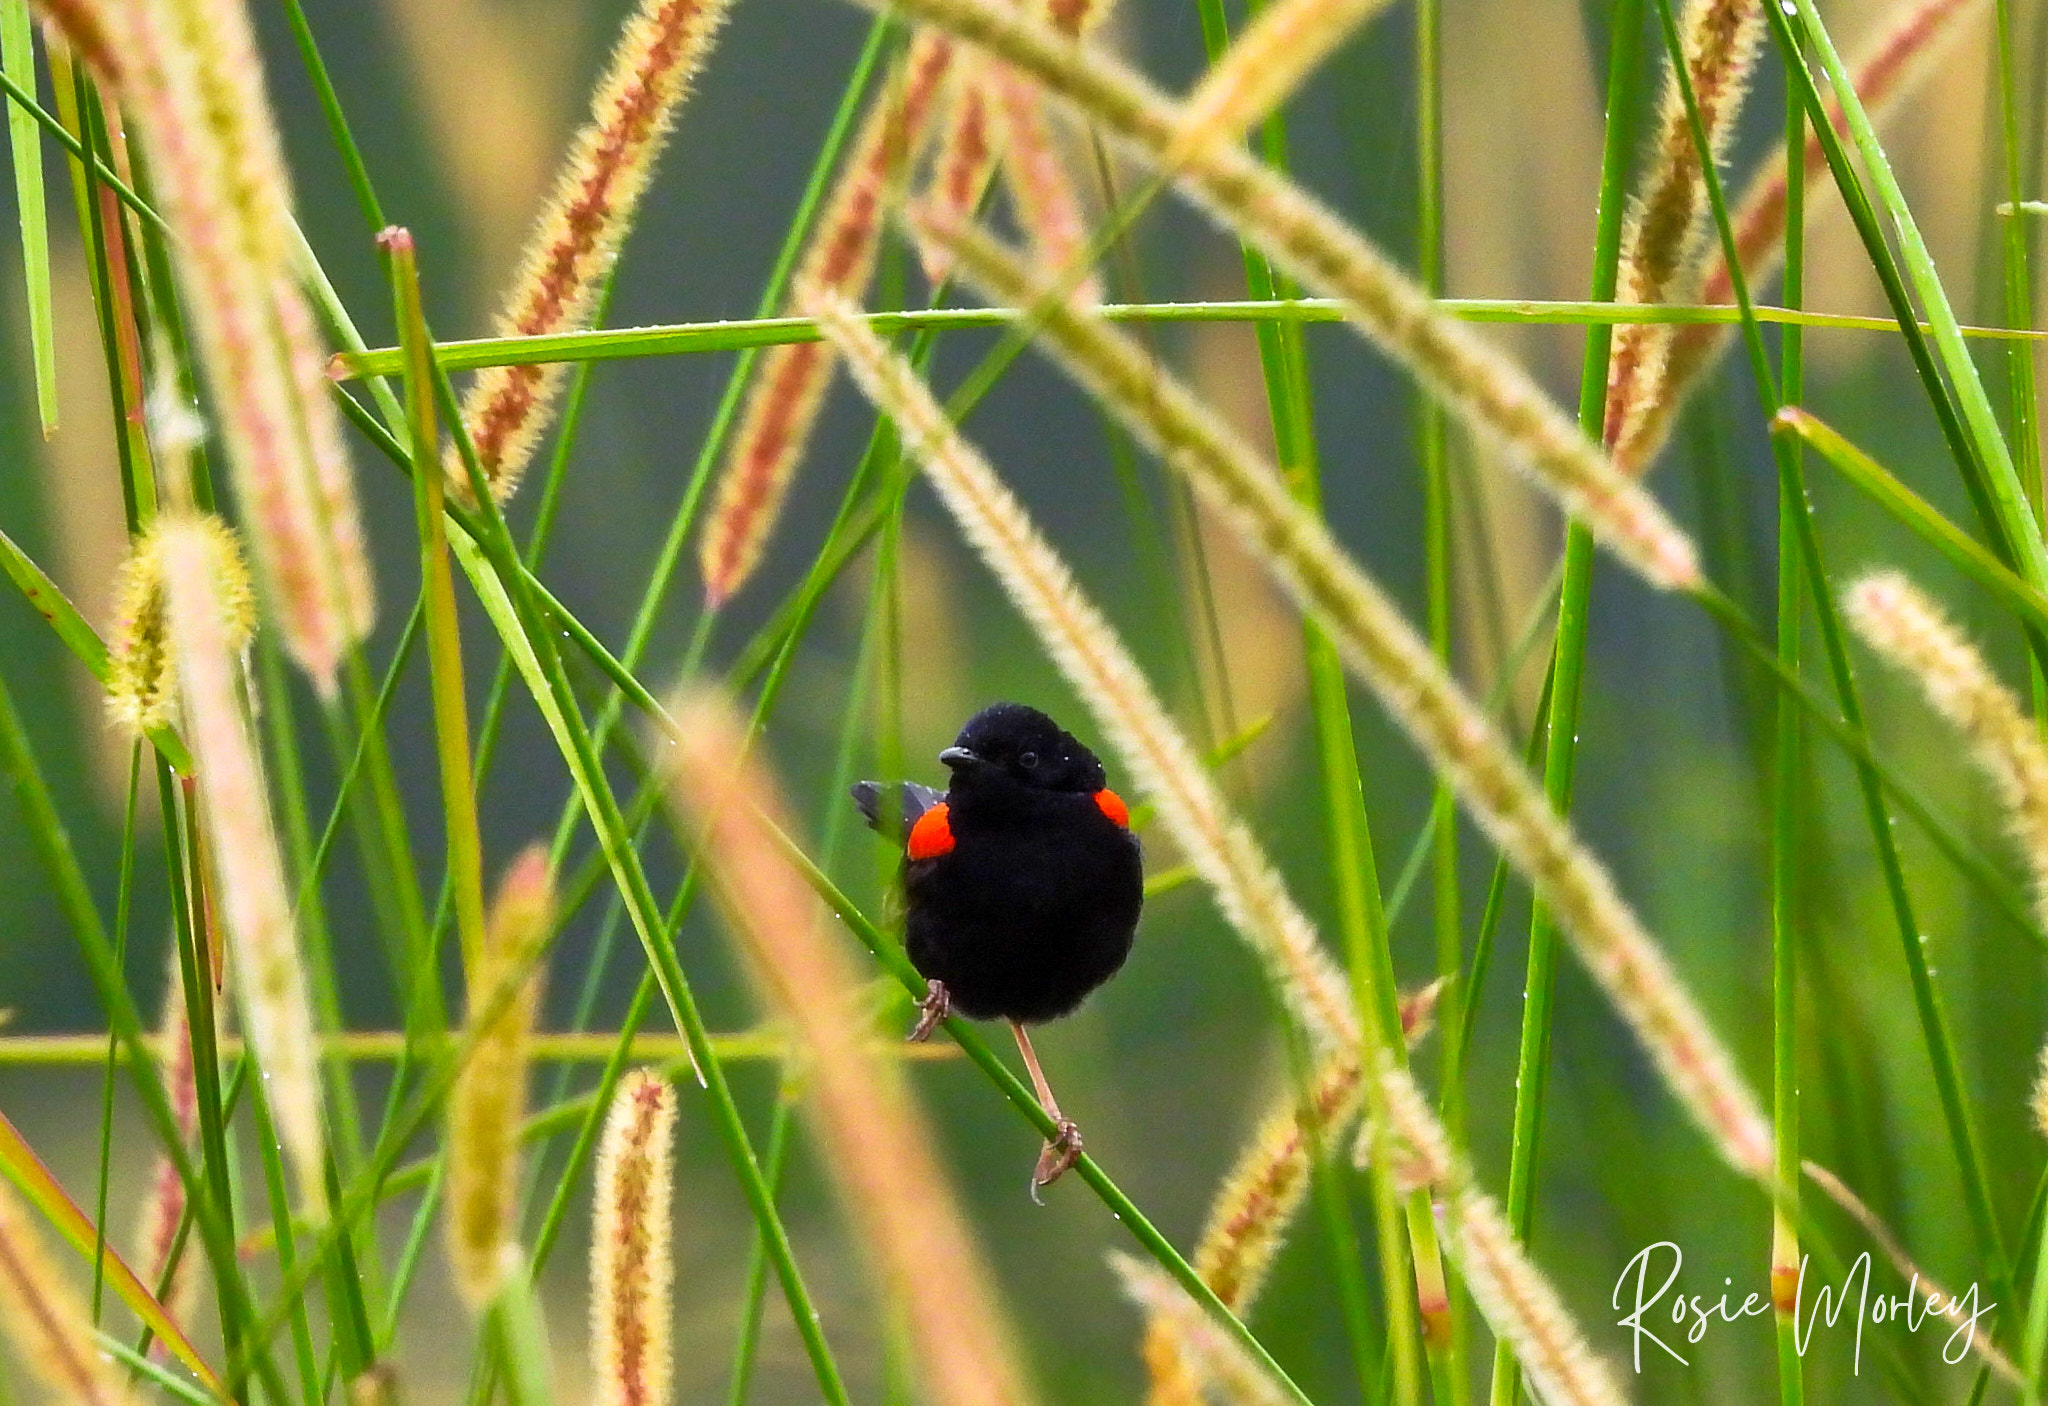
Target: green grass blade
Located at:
point(17, 57)
point(444, 641)
point(26, 1170)
point(1788, 810)
point(1908, 508)
point(1929, 1008)
point(1568, 652)
point(684, 338)
point(2008, 494)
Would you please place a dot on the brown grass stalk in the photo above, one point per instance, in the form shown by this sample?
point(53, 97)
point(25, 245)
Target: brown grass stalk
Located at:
point(247, 879)
point(632, 1265)
point(191, 77)
point(1888, 71)
point(875, 1142)
point(487, 1104)
point(1397, 663)
point(1494, 397)
point(790, 383)
point(46, 1319)
point(576, 240)
point(1664, 240)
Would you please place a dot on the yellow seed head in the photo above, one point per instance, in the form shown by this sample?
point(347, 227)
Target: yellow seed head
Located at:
point(488, 1102)
point(631, 1266)
point(1249, 1219)
point(376, 1385)
point(140, 692)
point(1263, 66)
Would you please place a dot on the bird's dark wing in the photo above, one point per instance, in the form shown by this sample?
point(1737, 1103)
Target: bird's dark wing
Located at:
point(916, 801)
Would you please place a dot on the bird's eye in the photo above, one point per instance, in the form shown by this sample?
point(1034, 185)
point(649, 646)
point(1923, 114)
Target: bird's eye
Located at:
point(1028, 760)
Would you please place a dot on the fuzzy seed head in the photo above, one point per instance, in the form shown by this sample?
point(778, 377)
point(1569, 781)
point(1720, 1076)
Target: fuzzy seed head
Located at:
point(85, 26)
point(375, 1385)
point(1276, 53)
point(1911, 632)
point(46, 1320)
point(192, 78)
point(140, 690)
point(1205, 1361)
point(245, 871)
point(1664, 246)
point(488, 1102)
point(1250, 1217)
point(1042, 187)
point(782, 403)
point(576, 240)
point(1902, 56)
point(631, 1269)
point(1418, 1012)
point(967, 150)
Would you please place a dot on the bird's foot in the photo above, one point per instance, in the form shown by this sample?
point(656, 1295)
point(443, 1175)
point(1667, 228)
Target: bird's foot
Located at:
point(1058, 1155)
point(934, 1008)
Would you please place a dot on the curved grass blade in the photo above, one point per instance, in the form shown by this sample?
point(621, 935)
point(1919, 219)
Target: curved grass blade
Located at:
point(1878, 484)
point(26, 1170)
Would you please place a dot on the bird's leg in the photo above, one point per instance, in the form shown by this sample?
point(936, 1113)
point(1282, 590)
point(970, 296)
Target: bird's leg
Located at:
point(935, 1007)
point(1065, 1147)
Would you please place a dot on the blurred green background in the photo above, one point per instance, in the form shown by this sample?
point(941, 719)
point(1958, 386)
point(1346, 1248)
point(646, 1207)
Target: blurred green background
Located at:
point(462, 107)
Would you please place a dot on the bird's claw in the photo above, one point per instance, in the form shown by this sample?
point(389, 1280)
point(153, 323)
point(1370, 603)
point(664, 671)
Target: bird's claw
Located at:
point(1053, 1160)
point(934, 1008)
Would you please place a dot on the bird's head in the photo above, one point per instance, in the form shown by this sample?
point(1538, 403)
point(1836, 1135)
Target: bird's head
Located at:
point(1024, 745)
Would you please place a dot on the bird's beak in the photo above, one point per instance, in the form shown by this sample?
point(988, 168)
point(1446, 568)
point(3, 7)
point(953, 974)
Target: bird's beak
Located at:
point(958, 756)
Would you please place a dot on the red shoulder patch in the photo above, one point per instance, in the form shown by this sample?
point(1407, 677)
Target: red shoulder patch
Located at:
point(1112, 805)
point(932, 836)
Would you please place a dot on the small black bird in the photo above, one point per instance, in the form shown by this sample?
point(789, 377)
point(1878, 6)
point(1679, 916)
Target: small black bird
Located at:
point(1022, 885)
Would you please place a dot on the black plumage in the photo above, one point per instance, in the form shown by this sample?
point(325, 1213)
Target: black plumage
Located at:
point(1021, 895)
